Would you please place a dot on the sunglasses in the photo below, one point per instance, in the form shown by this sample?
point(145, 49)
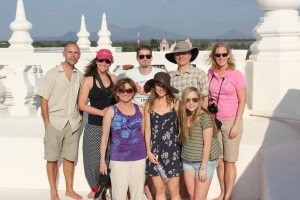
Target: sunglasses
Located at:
point(218, 55)
point(128, 91)
point(195, 100)
point(104, 60)
point(148, 56)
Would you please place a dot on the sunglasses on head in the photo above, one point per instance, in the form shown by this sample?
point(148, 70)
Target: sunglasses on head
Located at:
point(104, 60)
point(218, 55)
point(148, 56)
point(195, 100)
point(128, 91)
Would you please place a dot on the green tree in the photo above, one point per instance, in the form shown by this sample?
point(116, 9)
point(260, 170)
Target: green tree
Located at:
point(154, 44)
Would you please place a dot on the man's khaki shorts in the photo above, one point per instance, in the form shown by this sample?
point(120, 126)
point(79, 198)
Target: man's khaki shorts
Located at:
point(61, 143)
point(230, 147)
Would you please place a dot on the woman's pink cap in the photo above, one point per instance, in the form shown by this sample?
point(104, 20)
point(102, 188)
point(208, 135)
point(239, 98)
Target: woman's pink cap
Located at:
point(104, 54)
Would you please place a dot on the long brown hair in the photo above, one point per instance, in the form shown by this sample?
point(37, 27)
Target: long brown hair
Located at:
point(212, 60)
point(184, 131)
point(91, 68)
point(153, 96)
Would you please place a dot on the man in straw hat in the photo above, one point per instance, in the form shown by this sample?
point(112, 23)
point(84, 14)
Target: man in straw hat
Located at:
point(187, 75)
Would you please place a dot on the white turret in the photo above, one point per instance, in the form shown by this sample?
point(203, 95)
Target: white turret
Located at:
point(104, 35)
point(173, 46)
point(83, 35)
point(273, 67)
point(20, 39)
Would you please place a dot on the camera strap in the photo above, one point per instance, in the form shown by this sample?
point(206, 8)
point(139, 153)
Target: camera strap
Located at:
point(106, 91)
point(219, 89)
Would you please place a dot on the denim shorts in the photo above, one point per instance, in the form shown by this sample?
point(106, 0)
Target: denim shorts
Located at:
point(195, 166)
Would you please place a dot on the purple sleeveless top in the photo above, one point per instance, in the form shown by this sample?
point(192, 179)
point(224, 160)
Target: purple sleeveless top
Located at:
point(127, 140)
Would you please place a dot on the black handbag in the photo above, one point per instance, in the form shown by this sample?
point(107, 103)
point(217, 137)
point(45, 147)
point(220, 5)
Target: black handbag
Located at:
point(104, 182)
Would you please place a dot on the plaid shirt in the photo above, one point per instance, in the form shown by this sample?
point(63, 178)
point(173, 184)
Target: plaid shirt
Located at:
point(191, 77)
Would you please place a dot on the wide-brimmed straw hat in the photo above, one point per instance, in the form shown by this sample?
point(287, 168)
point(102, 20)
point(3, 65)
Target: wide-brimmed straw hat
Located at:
point(182, 46)
point(161, 77)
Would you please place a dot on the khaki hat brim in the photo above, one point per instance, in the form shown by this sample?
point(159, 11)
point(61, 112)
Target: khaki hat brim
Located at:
point(170, 56)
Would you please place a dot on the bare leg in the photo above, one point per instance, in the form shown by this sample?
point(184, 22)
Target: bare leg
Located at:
point(201, 189)
point(182, 188)
point(230, 176)
point(160, 188)
point(173, 185)
point(221, 176)
point(148, 187)
point(189, 178)
point(52, 175)
point(69, 177)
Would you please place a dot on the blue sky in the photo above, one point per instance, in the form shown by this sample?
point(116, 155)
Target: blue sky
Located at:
point(203, 18)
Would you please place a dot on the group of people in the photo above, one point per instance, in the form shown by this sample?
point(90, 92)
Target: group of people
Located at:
point(149, 130)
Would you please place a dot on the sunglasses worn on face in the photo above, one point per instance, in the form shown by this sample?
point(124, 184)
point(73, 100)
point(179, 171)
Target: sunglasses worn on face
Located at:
point(195, 100)
point(148, 56)
point(104, 60)
point(128, 91)
point(218, 55)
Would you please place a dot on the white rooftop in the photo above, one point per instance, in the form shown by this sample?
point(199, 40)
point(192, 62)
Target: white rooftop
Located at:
point(268, 167)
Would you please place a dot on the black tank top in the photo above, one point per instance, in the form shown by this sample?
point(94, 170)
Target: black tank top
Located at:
point(98, 100)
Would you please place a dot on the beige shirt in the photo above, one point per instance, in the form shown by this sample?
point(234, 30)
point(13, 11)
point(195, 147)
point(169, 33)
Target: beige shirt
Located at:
point(191, 77)
point(62, 97)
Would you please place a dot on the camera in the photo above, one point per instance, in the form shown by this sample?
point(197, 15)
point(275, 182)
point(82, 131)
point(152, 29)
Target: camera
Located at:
point(212, 108)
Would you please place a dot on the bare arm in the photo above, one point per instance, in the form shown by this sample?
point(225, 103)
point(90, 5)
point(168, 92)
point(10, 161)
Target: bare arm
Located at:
point(207, 137)
point(45, 111)
point(240, 110)
point(143, 119)
point(177, 104)
point(150, 155)
point(104, 141)
point(113, 78)
point(83, 98)
point(205, 102)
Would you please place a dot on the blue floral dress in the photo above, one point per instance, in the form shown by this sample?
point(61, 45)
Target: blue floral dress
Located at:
point(163, 142)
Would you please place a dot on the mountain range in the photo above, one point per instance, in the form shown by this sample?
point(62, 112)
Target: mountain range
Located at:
point(147, 32)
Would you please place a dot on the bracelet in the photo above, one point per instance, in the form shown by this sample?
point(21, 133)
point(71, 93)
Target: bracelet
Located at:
point(203, 168)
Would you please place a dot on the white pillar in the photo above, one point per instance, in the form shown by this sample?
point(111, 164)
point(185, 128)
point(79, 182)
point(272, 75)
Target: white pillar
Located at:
point(273, 67)
point(83, 35)
point(22, 91)
point(20, 39)
point(3, 108)
point(104, 35)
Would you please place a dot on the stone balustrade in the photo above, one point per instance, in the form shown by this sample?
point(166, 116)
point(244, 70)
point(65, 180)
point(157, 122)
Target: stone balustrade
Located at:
point(22, 74)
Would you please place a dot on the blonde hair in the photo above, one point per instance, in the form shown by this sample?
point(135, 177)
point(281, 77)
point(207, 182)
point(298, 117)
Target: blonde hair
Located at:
point(184, 131)
point(212, 60)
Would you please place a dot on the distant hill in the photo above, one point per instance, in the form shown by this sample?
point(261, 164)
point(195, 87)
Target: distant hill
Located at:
point(69, 36)
point(233, 34)
point(147, 32)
